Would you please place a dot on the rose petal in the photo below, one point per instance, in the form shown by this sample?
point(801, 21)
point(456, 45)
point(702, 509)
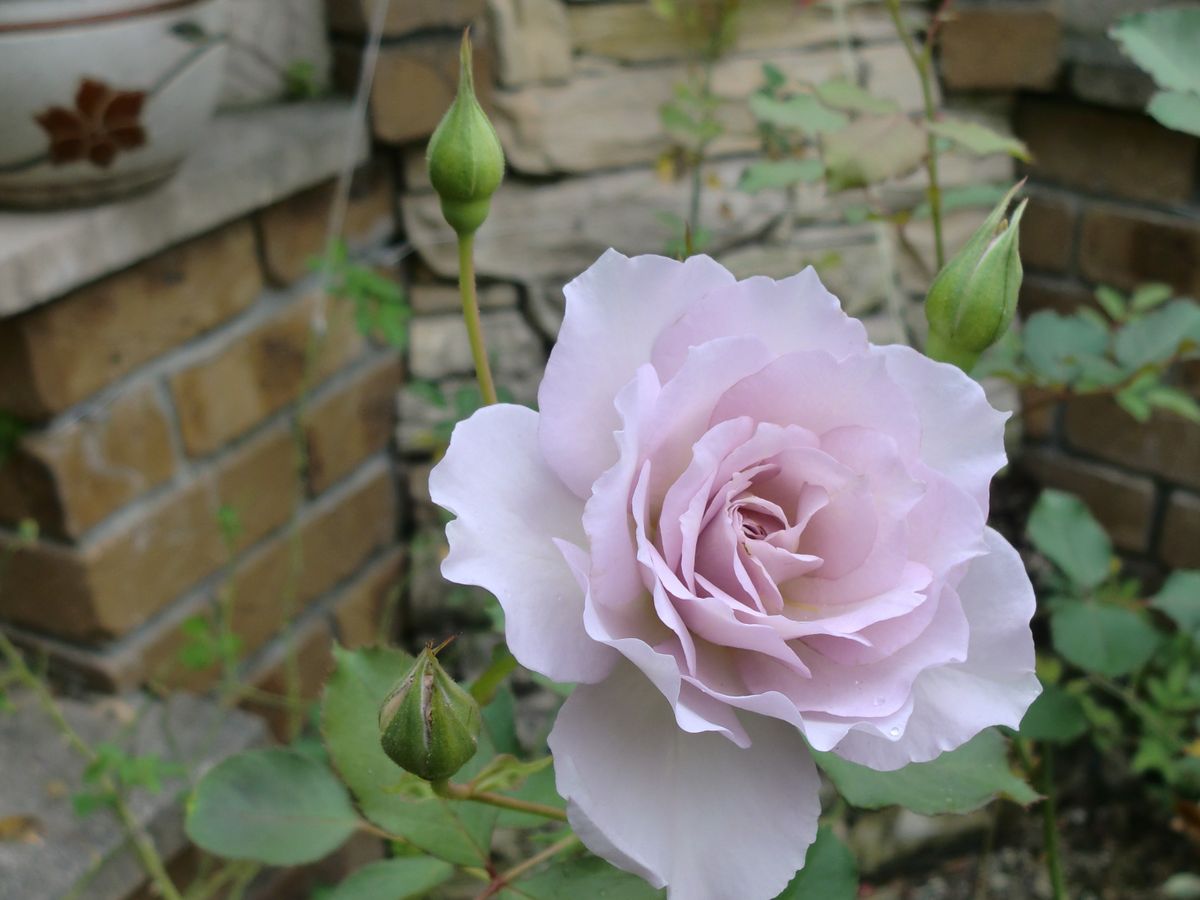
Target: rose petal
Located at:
point(962, 435)
point(994, 686)
point(614, 312)
point(796, 313)
point(691, 811)
point(511, 508)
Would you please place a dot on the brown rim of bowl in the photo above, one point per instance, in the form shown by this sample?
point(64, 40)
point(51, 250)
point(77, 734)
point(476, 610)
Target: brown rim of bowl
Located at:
point(134, 11)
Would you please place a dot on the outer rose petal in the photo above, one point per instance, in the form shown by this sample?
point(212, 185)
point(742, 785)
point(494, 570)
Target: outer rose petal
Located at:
point(615, 310)
point(962, 435)
point(689, 811)
point(994, 686)
point(511, 508)
point(797, 313)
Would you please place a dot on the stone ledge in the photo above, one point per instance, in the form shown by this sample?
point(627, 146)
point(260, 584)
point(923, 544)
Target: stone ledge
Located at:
point(250, 159)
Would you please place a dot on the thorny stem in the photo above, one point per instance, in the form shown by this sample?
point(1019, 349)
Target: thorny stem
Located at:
point(141, 841)
point(504, 879)
point(1054, 868)
point(470, 299)
point(452, 791)
point(922, 60)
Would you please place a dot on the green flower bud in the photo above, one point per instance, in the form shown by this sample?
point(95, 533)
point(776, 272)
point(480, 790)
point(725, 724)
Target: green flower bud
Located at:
point(974, 298)
point(429, 725)
point(466, 161)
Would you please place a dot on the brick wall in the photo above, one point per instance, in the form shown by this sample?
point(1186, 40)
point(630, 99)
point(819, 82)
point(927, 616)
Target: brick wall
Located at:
point(1115, 200)
point(160, 397)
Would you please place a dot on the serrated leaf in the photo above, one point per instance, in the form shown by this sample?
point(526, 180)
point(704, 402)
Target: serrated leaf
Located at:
point(830, 872)
point(1163, 42)
point(1156, 336)
point(391, 798)
point(1055, 716)
point(1054, 344)
point(956, 782)
point(1065, 532)
point(505, 772)
point(802, 112)
point(394, 879)
point(781, 173)
point(588, 876)
point(1180, 600)
point(838, 93)
point(1102, 637)
point(273, 806)
point(872, 150)
point(978, 139)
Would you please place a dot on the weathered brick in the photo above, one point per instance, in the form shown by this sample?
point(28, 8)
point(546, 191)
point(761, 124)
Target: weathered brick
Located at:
point(70, 478)
point(1040, 292)
point(445, 298)
point(293, 231)
point(1000, 49)
point(1124, 248)
point(1122, 503)
point(370, 602)
point(1167, 445)
point(258, 373)
point(115, 582)
point(348, 424)
point(312, 644)
point(1048, 232)
point(336, 537)
point(1037, 413)
point(1179, 545)
point(414, 84)
point(258, 481)
point(58, 354)
point(354, 16)
point(1105, 151)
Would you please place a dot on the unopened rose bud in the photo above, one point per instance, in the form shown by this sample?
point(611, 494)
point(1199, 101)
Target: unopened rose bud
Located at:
point(973, 299)
point(466, 161)
point(429, 725)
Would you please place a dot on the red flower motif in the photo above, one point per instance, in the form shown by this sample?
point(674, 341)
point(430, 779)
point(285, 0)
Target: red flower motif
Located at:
point(103, 123)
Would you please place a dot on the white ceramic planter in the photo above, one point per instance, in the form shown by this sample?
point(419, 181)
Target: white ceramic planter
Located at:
point(99, 98)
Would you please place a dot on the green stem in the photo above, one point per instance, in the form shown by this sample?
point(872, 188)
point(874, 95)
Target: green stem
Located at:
point(452, 791)
point(504, 879)
point(1058, 881)
point(466, 287)
point(501, 666)
point(142, 844)
point(922, 61)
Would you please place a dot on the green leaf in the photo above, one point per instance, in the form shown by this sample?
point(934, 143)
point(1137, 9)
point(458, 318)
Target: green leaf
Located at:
point(978, 139)
point(830, 872)
point(838, 93)
point(1112, 302)
point(394, 879)
point(1055, 716)
point(1054, 344)
point(1176, 110)
point(506, 772)
point(391, 798)
point(274, 806)
point(1164, 42)
point(803, 112)
point(779, 174)
point(956, 782)
point(1157, 336)
point(1180, 600)
point(1150, 295)
point(1065, 532)
point(1101, 637)
point(970, 196)
point(872, 150)
point(587, 876)
point(1174, 400)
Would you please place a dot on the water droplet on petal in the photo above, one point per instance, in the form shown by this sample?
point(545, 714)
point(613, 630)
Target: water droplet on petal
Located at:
point(895, 732)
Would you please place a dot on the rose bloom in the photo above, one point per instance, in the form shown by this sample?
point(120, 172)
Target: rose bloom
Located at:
point(744, 530)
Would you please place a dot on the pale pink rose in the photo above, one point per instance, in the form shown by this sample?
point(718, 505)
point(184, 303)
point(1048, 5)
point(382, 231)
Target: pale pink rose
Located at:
point(740, 526)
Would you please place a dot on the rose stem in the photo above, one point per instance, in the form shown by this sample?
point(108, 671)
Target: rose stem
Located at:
point(466, 287)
